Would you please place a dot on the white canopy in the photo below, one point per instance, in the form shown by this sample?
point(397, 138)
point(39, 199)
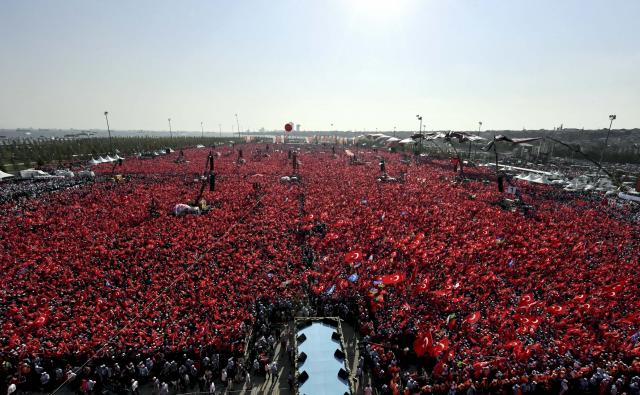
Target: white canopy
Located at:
point(627, 196)
point(392, 140)
point(32, 173)
point(64, 173)
point(540, 179)
point(407, 141)
point(4, 175)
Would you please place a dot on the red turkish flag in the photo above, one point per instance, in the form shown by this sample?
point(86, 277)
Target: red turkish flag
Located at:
point(392, 279)
point(473, 318)
point(440, 346)
point(353, 256)
point(556, 309)
point(423, 343)
point(580, 298)
point(423, 286)
point(527, 301)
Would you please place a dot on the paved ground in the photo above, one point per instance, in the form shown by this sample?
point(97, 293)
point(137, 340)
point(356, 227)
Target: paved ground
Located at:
point(278, 386)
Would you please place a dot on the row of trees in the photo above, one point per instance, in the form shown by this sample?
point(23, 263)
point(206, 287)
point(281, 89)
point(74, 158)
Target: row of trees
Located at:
point(613, 154)
point(16, 155)
point(20, 154)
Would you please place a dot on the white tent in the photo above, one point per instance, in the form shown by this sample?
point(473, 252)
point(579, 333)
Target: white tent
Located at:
point(86, 174)
point(527, 178)
point(64, 173)
point(392, 141)
point(4, 175)
point(540, 179)
point(627, 196)
point(434, 136)
point(382, 137)
point(31, 173)
point(407, 141)
point(94, 162)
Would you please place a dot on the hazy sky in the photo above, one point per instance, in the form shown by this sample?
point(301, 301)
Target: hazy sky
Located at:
point(359, 64)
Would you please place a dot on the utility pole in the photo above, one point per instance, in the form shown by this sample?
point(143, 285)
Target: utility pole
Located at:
point(170, 132)
point(220, 127)
point(238, 123)
point(420, 132)
point(202, 128)
point(106, 116)
point(475, 151)
point(606, 140)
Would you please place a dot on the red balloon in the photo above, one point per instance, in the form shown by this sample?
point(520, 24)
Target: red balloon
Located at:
point(288, 127)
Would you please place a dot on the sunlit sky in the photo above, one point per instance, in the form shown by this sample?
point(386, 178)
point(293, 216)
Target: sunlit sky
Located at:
point(356, 64)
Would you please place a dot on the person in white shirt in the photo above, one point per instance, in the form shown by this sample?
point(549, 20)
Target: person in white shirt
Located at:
point(134, 387)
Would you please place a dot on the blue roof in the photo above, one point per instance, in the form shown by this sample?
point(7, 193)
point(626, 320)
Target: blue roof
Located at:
point(321, 365)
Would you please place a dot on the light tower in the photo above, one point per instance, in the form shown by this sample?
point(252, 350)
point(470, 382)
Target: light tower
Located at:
point(612, 118)
point(106, 116)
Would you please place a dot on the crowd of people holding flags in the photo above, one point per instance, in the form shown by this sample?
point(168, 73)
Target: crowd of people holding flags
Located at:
point(451, 290)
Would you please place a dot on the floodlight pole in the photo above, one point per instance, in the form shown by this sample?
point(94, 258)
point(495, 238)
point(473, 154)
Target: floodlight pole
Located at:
point(170, 132)
point(220, 127)
point(420, 131)
point(495, 151)
point(238, 123)
point(106, 116)
point(202, 128)
point(612, 117)
point(475, 151)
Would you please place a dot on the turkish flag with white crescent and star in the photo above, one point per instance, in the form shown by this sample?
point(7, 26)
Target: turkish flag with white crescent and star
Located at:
point(392, 279)
point(472, 318)
point(353, 256)
point(423, 286)
point(423, 343)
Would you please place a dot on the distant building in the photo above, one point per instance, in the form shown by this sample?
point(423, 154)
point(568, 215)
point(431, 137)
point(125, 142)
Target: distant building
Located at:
point(297, 127)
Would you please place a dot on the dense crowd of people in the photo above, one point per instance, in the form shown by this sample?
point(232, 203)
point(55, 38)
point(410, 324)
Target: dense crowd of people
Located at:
point(12, 191)
point(453, 290)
